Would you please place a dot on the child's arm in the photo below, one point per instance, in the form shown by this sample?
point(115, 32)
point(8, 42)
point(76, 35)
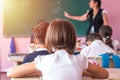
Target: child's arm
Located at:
point(78, 18)
point(95, 71)
point(86, 74)
point(35, 73)
point(23, 70)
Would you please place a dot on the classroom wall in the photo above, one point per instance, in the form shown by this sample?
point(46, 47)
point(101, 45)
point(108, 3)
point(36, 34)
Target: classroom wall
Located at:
point(111, 6)
point(20, 42)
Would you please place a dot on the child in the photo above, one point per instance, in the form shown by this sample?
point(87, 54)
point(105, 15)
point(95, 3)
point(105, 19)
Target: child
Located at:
point(95, 46)
point(32, 47)
point(39, 31)
point(61, 65)
point(106, 33)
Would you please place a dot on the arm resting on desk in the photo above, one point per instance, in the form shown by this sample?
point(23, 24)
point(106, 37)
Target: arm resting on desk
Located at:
point(29, 69)
point(95, 72)
point(23, 70)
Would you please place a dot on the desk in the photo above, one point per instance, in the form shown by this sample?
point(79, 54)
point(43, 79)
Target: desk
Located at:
point(114, 74)
point(16, 58)
point(37, 78)
point(28, 78)
point(99, 61)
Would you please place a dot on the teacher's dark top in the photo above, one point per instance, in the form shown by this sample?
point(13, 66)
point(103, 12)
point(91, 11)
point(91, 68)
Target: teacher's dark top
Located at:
point(95, 22)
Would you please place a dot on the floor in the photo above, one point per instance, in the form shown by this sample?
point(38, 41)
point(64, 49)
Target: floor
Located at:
point(3, 76)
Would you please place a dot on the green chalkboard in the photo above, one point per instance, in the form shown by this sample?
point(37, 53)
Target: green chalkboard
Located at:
point(19, 16)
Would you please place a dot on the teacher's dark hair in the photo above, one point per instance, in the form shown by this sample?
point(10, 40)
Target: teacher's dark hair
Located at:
point(99, 2)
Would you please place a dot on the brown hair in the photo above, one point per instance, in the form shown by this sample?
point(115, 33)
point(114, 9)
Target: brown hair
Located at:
point(61, 35)
point(93, 36)
point(106, 32)
point(32, 37)
point(40, 31)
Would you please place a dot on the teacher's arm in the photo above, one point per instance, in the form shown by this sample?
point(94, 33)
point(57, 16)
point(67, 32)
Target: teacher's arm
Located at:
point(78, 18)
point(105, 19)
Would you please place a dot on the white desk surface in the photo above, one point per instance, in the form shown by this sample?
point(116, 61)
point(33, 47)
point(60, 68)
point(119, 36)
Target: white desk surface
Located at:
point(16, 57)
point(37, 78)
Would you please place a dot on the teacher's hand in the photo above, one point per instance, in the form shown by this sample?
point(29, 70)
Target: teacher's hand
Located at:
point(66, 14)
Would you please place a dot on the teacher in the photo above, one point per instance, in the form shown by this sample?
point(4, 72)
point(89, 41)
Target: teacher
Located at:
point(96, 16)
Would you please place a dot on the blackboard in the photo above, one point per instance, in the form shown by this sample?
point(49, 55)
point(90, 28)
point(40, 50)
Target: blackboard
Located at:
point(19, 16)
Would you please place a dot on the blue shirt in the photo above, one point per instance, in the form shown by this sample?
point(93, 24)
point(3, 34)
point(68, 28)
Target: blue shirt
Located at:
point(30, 57)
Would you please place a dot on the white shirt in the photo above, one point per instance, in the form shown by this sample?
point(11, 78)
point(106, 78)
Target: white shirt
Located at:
point(116, 44)
point(96, 48)
point(41, 49)
point(61, 66)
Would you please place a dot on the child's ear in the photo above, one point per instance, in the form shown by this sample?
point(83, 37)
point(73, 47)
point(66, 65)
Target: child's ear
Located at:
point(89, 43)
point(35, 41)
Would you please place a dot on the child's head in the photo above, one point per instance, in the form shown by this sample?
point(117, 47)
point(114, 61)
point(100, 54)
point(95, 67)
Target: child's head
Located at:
point(78, 42)
point(40, 31)
point(61, 35)
point(106, 33)
point(92, 37)
point(32, 37)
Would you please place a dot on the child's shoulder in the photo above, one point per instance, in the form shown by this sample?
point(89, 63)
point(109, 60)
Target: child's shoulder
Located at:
point(44, 58)
point(81, 57)
point(85, 49)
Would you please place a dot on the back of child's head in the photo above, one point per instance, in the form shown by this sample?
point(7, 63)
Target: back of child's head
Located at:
point(93, 36)
point(40, 31)
point(106, 32)
point(61, 35)
point(32, 37)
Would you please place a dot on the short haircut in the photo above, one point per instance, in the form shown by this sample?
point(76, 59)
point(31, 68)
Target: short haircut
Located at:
point(40, 31)
point(32, 37)
point(61, 35)
point(93, 36)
